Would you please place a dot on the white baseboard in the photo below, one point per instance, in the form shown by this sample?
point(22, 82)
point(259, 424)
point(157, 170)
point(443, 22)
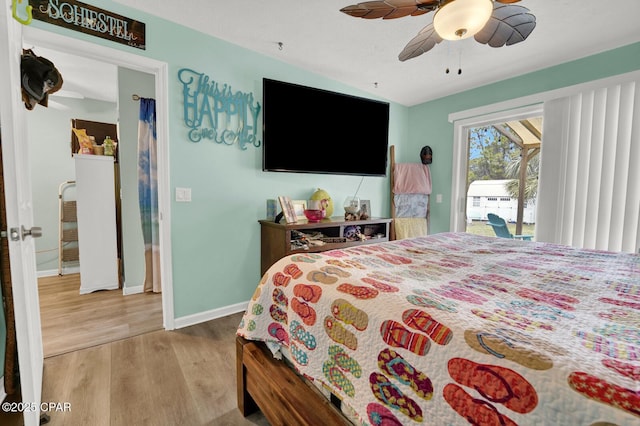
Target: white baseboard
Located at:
point(3, 394)
point(132, 290)
point(210, 315)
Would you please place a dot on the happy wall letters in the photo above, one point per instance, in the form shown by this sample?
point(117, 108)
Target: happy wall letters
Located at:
point(213, 111)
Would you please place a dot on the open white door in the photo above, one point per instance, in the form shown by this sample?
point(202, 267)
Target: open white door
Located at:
point(20, 216)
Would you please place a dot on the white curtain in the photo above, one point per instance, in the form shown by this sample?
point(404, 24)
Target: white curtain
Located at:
point(589, 188)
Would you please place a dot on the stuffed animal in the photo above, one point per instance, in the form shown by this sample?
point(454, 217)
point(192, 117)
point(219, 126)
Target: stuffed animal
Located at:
point(326, 200)
point(353, 233)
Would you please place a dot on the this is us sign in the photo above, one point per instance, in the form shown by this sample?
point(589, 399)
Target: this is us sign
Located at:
point(214, 112)
point(89, 19)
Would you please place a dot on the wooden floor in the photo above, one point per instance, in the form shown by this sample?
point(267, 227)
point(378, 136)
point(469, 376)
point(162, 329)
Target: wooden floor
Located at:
point(72, 321)
point(180, 377)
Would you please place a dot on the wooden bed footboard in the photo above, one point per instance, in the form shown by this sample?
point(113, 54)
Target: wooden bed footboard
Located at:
point(284, 397)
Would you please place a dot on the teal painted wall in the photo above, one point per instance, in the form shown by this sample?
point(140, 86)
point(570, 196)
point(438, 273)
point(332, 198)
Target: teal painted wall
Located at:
point(216, 236)
point(428, 122)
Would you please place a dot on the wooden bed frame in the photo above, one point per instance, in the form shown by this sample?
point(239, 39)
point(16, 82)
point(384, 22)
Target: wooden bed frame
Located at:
point(284, 397)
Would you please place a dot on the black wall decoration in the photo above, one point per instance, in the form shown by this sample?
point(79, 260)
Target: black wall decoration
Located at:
point(39, 78)
point(426, 155)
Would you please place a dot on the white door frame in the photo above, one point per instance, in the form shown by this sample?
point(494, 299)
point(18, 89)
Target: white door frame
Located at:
point(159, 69)
point(24, 282)
point(18, 188)
point(461, 156)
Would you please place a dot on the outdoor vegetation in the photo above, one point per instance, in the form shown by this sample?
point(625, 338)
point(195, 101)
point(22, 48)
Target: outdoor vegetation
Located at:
point(481, 228)
point(493, 156)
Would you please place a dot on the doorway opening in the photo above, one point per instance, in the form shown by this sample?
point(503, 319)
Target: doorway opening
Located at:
point(492, 115)
point(158, 306)
point(502, 176)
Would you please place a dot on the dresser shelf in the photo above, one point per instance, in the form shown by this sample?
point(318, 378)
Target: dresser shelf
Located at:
point(276, 238)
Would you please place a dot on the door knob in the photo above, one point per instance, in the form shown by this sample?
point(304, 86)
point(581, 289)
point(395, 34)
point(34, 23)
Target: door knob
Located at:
point(35, 232)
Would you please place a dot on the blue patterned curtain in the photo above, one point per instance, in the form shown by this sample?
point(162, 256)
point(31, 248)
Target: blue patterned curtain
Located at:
point(148, 193)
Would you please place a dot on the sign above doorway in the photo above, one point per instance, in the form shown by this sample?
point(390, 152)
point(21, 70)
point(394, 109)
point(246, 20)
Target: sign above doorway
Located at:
point(88, 19)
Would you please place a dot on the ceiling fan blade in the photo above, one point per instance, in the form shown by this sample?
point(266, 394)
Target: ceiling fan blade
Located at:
point(508, 25)
point(390, 9)
point(421, 43)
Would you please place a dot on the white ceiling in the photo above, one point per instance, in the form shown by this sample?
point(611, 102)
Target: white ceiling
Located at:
point(82, 78)
point(363, 53)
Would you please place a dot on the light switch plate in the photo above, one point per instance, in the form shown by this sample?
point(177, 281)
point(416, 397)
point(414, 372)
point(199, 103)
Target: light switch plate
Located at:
point(183, 195)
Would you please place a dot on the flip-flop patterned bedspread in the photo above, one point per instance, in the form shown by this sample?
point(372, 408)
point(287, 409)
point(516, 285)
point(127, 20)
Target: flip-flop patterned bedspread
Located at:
point(456, 328)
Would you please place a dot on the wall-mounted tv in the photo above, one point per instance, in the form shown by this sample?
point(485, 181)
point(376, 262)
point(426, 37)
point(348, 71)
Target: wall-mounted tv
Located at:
point(311, 130)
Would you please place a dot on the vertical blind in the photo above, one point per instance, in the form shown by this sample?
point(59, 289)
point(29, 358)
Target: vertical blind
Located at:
point(589, 187)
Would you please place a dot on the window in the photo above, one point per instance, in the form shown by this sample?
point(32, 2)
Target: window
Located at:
point(464, 122)
point(567, 223)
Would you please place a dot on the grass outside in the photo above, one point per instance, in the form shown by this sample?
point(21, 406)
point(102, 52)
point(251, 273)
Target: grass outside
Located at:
point(480, 227)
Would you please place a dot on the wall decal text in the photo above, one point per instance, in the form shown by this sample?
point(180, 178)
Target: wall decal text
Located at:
point(212, 111)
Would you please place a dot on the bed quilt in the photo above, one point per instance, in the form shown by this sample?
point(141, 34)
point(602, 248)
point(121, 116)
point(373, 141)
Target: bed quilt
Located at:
point(454, 328)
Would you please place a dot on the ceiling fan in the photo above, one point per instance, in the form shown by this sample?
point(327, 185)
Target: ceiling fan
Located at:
point(496, 23)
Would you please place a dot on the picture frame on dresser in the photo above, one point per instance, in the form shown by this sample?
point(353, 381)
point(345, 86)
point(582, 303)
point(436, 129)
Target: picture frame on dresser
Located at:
point(272, 209)
point(299, 206)
point(287, 209)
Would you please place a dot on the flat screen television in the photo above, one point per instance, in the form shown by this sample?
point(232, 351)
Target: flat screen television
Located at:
point(311, 130)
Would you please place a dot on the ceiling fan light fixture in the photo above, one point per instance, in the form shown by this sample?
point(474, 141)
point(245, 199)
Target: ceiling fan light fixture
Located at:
point(460, 19)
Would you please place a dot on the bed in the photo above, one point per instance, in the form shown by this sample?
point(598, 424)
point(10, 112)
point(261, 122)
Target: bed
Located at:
point(446, 329)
